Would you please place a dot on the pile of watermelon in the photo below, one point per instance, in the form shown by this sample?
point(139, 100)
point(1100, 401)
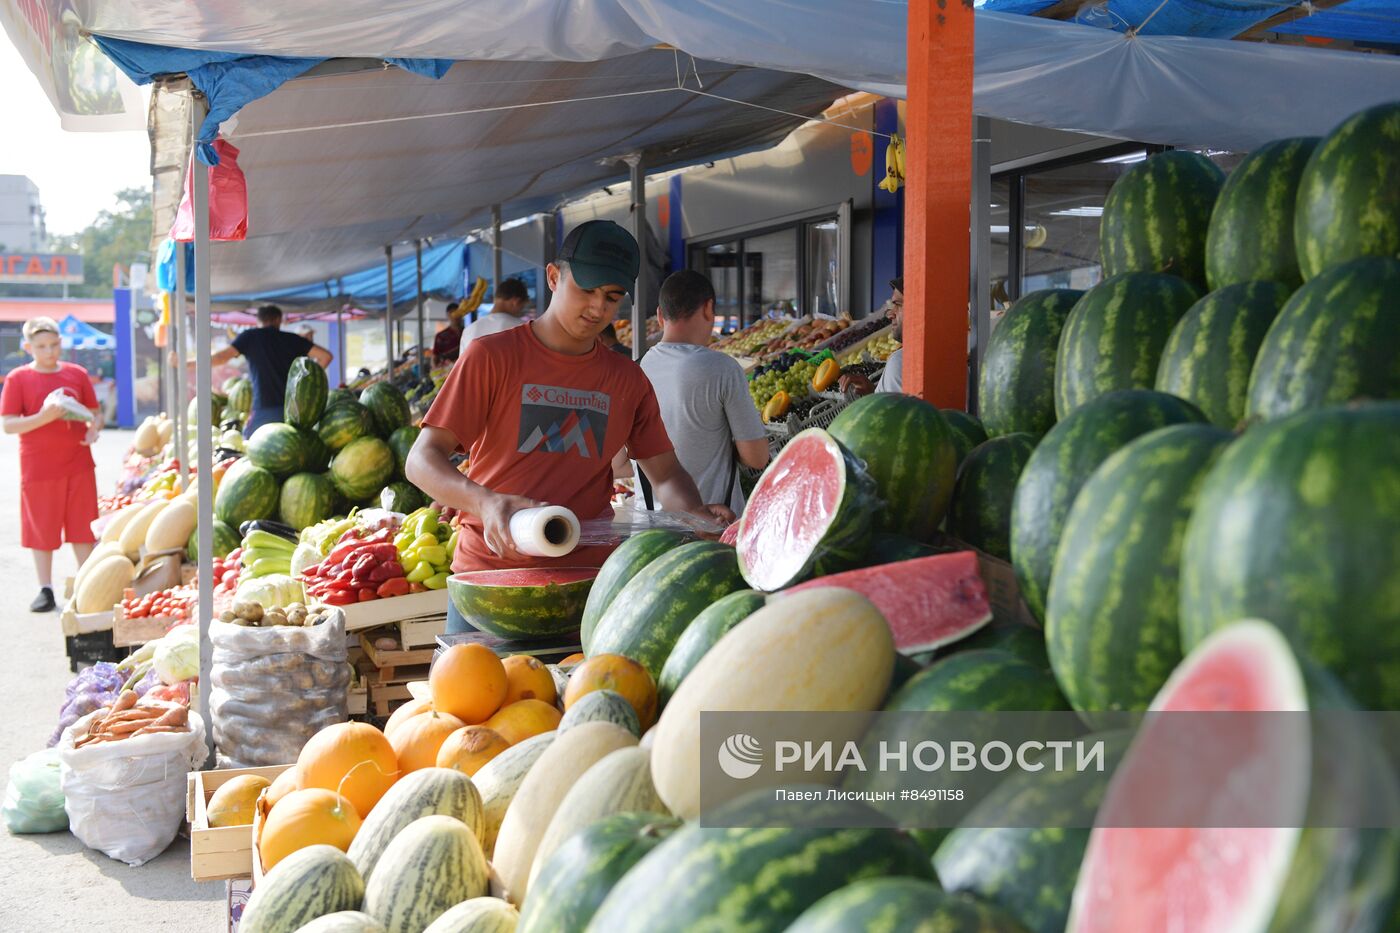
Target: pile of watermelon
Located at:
point(331, 453)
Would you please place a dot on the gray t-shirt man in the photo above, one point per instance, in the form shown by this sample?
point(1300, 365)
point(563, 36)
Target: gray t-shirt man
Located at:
point(706, 407)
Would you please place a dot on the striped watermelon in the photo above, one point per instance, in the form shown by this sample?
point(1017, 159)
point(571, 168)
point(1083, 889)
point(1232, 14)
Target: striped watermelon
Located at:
point(425, 792)
point(387, 407)
point(240, 396)
point(1299, 524)
point(1015, 638)
point(1211, 353)
point(1251, 228)
point(477, 915)
point(307, 388)
point(652, 611)
point(307, 884)
point(601, 706)
point(1349, 196)
point(981, 510)
point(1112, 619)
point(522, 604)
point(910, 452)
point(402, 497)
point(985, 681)
point(754, 879)
point(572, 883)
point(306, 499)
point(401, 442)
point(890, 549)
point(700, 636)
point(901, 905)
point(1020, 847)
point(246, 493)
point(431, 865)
point(340, 396)
point(1017, 393)
point(362, 467)
point(1157, 217)
point(1337, 339)
point(618, 570)
point(343, 423)
point(1115, 336)
point(278, 448)
point(967, 432)
point(501, 777)
point(1061, 465)
point(226, 538)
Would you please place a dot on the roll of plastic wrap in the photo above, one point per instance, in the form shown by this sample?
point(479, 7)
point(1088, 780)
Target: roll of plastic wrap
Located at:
point(551, 531)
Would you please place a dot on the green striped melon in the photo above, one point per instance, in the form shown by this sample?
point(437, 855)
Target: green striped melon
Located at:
point(901, 905)
point(967, 432)
point(652, 611)
point(343, 921)
point(307, 499)
point(1337, 339)
point(1112, 619)
point(981, 510)
point(1115, 336)
point(751, 878)
point(240, 396)
point(277, 448)
point(362, 467)
point(1019, 849)
point(343, 422)
point(430, 866)
point(500, 778)
point(601, 706)
point(339, 396)
point(402, 497)
point(226, 538)
point(1349, 196)
point(307, 389)
point(1299, 524)
point(477, 915)
point(618, 570)
point(1016, 638)
point(619, 783)
point(573, 882)
point(522, 604)
point(988, 681)
point(307, 884)
point(1251, 228)
point(1157, 217)
point(317, 455)
point(910, 451)
point(1017, 393)
point(1060, 466)
point(426, 792)
point(246, 493)
point(388, 408)
point(891, 549)
point(702, 634)
point(401, 442)
point(1210, 354)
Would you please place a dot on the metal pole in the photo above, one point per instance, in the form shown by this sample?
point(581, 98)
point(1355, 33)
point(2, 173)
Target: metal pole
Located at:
point(495, 251)
point(340, 343)
point(640, 312)
point(389, 308)
point(422, 316)
point(203, 382)
point(182, 423)
point(981, 292)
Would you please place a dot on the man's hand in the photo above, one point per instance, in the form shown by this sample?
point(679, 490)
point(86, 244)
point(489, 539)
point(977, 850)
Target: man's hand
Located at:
point(857, 382)
point(495, 513)
point(716, 513)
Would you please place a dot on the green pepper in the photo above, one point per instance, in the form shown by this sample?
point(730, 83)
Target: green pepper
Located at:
point(421, 573)
point(435, 555)
point(437, 581)
point(422, 541)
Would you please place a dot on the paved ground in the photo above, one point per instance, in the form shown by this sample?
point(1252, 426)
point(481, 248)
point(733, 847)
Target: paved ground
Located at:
point(53, 883)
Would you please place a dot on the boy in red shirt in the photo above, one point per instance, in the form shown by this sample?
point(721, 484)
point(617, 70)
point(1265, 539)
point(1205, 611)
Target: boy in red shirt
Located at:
point(58, 481)
point(543, 409)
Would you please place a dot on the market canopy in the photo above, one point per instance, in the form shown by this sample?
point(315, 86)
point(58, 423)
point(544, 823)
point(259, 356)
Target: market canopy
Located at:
point(79, 335)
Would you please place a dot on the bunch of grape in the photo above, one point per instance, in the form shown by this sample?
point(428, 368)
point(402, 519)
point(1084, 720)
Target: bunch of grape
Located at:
point(795, 379)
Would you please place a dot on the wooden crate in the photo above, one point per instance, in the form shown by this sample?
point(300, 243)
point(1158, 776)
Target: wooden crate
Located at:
point(385, 698)
point(357, 701)
point(218, 854)
point(377, 612)
point(87, 623)
point(389, 662)
point(130, 633)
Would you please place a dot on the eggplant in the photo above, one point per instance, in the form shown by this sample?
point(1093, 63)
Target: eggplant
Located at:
point(271, 527)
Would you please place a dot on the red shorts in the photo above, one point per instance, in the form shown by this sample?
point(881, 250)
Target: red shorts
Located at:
point(53, 511)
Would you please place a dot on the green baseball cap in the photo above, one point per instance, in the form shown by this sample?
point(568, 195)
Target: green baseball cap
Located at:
point(600, 252)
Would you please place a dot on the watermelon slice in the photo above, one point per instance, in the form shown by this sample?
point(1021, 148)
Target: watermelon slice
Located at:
point(731, 535)
point(811, 513)
point(927, 601)
point(523, 604)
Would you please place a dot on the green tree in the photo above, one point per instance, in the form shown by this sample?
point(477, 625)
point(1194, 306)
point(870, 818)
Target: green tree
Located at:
point(120, 236)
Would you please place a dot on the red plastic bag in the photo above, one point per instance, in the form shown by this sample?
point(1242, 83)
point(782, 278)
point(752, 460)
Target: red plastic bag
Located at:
point(228, 200)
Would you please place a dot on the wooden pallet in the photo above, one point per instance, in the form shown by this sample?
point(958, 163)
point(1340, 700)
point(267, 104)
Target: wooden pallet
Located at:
point(389, 662)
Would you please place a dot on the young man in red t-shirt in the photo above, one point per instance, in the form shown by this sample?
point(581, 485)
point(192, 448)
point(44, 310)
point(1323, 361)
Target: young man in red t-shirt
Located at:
point(58, 481)
point(543, 408)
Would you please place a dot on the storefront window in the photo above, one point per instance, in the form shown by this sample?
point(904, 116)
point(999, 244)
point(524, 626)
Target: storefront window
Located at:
point(720, 261)
point(823, 291)
point(770, 274)
point(794, 270)
point(999, 265)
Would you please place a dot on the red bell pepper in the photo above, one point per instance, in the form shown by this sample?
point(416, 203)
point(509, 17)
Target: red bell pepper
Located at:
point(386, 571)
point(340, 597)
point(367, 593)
point(398, 586)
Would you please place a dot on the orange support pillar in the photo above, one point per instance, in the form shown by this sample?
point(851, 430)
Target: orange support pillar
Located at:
point(938, 175)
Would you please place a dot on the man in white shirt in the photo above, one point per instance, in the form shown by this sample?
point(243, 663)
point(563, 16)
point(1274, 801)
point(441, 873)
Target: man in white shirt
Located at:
point(893, 378)
point(510, 300)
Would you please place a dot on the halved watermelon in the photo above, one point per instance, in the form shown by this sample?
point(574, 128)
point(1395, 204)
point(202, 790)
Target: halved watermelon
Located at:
point(523, 604)
point(811, 513)
point(927, 601)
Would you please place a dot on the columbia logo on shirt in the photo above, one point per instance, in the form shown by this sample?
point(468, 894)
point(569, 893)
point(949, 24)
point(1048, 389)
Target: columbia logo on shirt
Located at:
point(555, 419)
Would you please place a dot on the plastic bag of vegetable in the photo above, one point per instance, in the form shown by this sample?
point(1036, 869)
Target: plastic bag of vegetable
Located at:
point(91, 688)
point(33, 798)
point(273, 688)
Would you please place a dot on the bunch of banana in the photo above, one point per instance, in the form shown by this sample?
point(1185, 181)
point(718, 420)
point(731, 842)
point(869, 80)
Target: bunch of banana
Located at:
point(265, 553)
point(473, 299)
point(894, 165)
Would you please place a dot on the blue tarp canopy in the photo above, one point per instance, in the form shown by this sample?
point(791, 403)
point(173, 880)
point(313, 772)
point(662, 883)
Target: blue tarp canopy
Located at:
point(79, 335)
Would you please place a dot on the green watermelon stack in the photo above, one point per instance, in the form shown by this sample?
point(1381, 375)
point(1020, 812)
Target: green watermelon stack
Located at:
point(1112, 620)
point(1017, 392)
point(1157, 217)
point(910, 452)
point(307, 389)
point(307, 499)
point(618, 570)
point(1251, 228)
point(990, 680)
point(1337, 339)
point(278, 448)
point(981, 510)
point(226, 538)
point(1299, 524)
point(387, 407)
point(1115, 336)
point(361, 468)
point(240, 396)
point(339, 397)
point(1015, 638)
point(701, 635)
point(900, 904)
point(1060, 466)
point(317, 455)
point(1349, 196)
point(343, 422)
point(401, 442)
point(402, 497)
point(1210, 355)
point(246, 493)
point(967, 432)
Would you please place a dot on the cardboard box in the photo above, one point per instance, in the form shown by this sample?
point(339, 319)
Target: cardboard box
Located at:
point(218, 854)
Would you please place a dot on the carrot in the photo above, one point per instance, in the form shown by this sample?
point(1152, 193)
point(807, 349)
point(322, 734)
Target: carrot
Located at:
point(177, 716)
point(154, 729)
point(126, 728)
point(125, 701)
